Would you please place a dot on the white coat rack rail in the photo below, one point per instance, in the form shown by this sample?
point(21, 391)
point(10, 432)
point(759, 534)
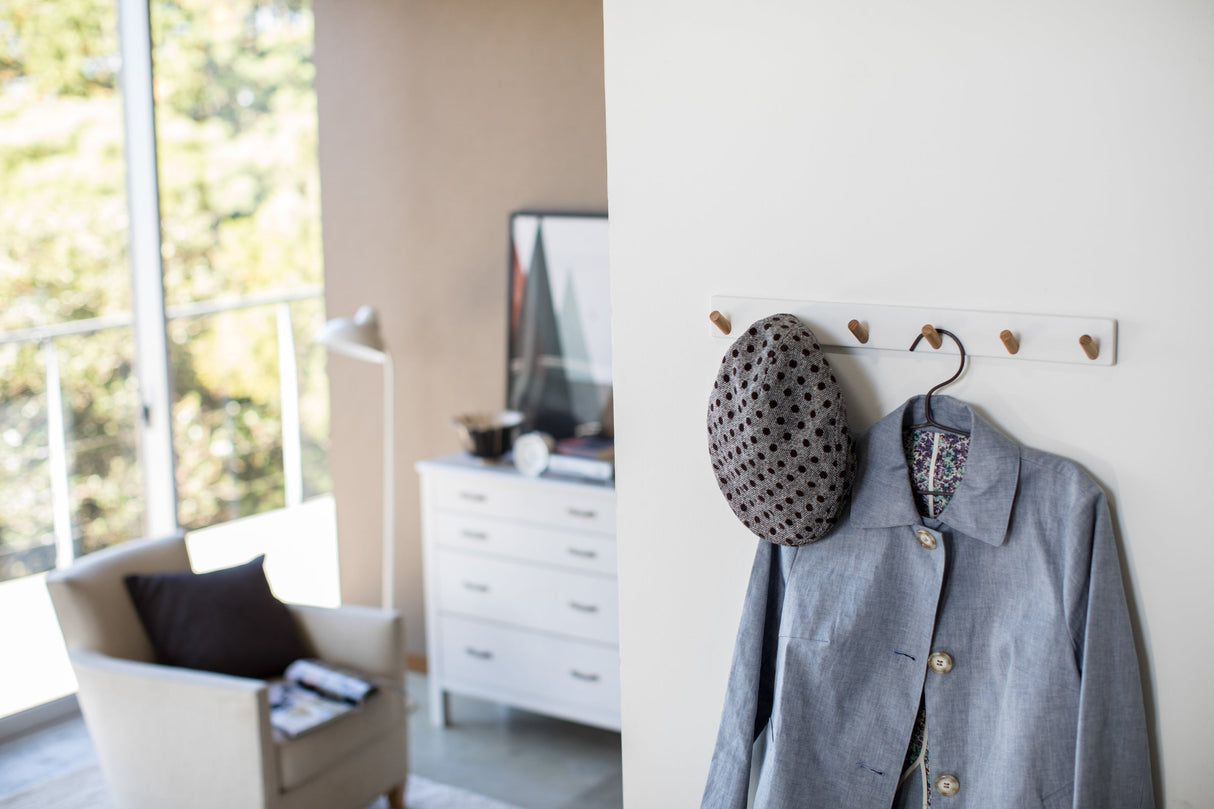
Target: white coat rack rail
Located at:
point(1006, 335)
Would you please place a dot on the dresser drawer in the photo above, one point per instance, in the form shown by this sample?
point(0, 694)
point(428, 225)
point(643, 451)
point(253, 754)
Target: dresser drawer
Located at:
point(521, 595)
point(580, 508)
point(523, 663)
point(593, 553)
point(559, 601)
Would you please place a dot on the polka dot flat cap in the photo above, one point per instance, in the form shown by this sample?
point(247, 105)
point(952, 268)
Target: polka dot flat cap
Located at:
point(778, 435)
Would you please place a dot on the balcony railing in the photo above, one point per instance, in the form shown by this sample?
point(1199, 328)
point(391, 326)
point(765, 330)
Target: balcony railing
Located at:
point(46, 337)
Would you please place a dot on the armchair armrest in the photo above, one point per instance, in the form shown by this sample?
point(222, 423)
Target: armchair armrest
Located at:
point(164, 730)
point(368, 639)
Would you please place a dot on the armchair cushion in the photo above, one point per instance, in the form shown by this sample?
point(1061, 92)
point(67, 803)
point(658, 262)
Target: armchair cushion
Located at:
point(304, 757)
point(226, 621)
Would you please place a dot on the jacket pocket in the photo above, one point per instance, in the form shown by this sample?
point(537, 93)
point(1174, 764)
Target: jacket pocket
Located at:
point(793, 655)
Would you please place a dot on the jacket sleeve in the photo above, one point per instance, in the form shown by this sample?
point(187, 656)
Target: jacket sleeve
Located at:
point(1112, 758)
point(748, 698)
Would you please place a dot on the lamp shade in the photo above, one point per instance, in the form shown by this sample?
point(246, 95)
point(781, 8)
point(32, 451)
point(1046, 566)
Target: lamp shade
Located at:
point(356, 337)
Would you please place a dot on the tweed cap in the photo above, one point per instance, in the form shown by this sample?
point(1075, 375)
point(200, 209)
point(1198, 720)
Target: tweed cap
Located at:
point(778, 435)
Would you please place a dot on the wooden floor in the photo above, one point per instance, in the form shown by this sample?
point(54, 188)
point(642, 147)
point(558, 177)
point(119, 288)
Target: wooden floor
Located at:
point(531, 761)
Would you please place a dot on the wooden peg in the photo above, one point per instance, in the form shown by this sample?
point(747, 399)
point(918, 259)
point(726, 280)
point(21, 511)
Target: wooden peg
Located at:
point(720, 321)
point(933, 337)
point(1090, 346)
point(1009, 341)
point(858, 329)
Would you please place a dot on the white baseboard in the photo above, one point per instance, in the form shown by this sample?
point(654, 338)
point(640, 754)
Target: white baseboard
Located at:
point(47, 713)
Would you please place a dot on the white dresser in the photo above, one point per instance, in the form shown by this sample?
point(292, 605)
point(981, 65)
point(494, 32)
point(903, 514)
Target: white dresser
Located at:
point(521, 597)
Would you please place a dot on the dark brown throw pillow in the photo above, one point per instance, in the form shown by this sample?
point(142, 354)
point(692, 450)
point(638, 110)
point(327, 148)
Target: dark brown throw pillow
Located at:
point(225, 621)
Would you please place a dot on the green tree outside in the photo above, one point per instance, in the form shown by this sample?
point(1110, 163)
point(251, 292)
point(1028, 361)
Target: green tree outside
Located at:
point(239, 190)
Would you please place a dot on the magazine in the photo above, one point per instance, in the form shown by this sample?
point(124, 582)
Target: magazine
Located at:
point(588, 458)
point(599, 449)
point(313, 693)
point(329, 680)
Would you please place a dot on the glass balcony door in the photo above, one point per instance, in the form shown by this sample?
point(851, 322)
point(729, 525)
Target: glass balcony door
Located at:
point(160, 278)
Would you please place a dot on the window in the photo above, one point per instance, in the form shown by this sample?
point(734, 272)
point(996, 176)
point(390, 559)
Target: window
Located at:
point(156, 363)
point(239, 203)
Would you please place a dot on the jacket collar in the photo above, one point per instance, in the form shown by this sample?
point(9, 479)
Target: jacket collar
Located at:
point(982, 505)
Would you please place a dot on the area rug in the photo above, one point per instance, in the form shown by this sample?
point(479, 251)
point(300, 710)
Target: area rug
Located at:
point(422, 793)
point(85, 789)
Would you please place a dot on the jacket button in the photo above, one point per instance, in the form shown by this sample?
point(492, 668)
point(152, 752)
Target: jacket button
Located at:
point(948, 785)
point(926, 539)
point(940, 662)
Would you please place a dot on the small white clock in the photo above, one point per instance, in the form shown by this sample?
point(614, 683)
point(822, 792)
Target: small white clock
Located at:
point(531, 453)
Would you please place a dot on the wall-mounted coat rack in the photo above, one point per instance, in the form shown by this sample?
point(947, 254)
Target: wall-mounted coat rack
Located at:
point(1007, 335)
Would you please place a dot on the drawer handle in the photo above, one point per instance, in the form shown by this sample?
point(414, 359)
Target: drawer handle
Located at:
point(583, 607)
point(475, 497)
point(479, 654)
point(470, 534)
point(585, 554)
point(586, 678)
point(476, 587)
point(584, 513)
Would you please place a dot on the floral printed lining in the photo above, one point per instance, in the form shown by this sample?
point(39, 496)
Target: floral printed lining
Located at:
point(916, 754)
point(937, 463)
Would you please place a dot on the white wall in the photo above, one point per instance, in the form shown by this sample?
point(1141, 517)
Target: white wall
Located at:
point(1018, 156)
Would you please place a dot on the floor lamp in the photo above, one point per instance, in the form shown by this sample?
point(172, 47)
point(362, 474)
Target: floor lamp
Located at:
point(359, 337)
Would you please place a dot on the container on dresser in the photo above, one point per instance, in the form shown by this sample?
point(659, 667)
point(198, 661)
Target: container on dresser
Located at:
point(520, 590)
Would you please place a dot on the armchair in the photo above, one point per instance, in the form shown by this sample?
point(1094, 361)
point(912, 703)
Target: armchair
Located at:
point(169, 736)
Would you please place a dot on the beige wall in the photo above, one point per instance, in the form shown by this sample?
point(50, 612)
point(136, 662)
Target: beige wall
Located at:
point(436, 120)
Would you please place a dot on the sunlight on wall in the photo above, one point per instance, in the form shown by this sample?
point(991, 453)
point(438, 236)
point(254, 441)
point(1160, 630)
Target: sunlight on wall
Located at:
point(300, 545)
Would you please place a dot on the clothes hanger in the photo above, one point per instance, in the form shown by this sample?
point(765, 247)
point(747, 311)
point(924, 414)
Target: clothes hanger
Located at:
point(927, 402)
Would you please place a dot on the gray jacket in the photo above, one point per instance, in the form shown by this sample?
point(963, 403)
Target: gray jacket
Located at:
point(1018, 584)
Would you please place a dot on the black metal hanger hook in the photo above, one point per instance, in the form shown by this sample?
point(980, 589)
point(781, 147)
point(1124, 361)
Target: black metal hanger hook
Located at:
point(927, 402)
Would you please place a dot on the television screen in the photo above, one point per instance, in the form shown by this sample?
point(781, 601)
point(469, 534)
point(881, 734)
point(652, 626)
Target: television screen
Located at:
point(559, 360)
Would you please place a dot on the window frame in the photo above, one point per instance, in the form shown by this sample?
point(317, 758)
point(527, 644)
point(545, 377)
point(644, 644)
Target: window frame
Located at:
point(150, 319)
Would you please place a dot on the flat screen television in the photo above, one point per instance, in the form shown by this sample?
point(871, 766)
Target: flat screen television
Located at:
point(559, 356)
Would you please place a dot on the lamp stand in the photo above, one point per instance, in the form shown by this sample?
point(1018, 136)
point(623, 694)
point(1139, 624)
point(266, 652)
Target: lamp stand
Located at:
point(388, 590)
